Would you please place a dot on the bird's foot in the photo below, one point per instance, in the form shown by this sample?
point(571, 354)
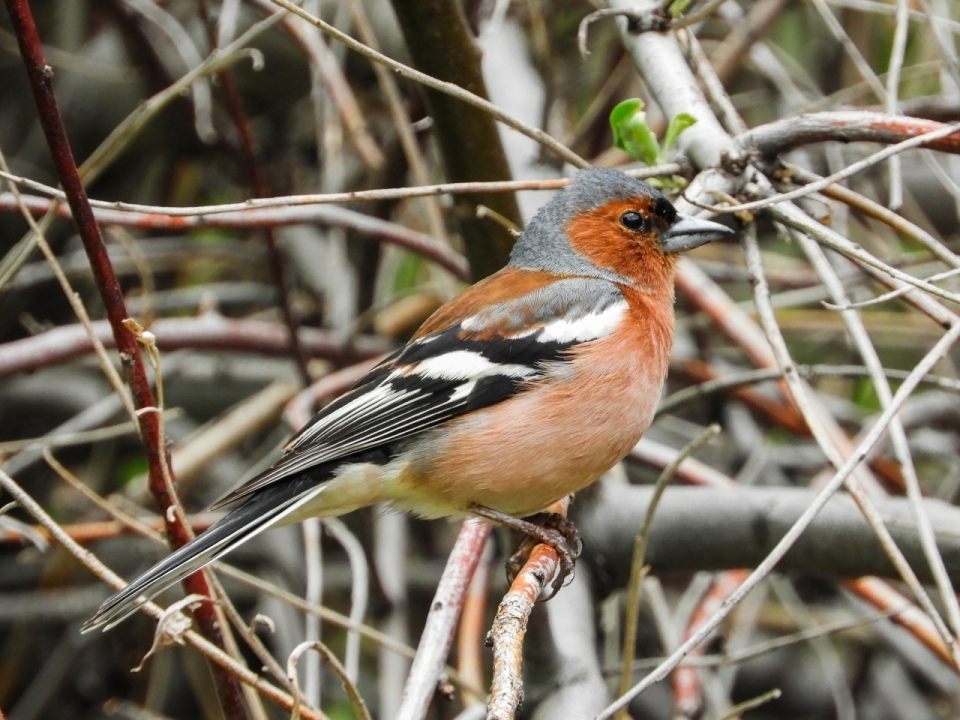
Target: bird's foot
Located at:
point(544, 528)
point(559, 533)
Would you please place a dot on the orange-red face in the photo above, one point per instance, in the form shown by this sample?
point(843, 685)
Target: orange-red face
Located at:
point(623, 236)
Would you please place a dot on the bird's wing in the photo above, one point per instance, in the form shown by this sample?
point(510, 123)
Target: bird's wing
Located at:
point(481, 360)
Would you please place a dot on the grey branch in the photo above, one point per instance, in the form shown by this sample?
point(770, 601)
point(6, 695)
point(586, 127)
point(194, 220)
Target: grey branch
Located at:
point(724, 528)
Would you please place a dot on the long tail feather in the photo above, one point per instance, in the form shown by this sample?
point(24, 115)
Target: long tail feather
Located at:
point(262, 511)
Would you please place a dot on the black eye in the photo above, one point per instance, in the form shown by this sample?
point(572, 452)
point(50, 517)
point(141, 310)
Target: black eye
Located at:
point(632, 220)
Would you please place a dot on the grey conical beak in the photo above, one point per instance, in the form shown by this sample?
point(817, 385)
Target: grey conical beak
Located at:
point(688, 232)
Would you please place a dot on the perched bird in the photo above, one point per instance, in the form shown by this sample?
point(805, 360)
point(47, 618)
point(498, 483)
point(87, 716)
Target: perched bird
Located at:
point(519, 392)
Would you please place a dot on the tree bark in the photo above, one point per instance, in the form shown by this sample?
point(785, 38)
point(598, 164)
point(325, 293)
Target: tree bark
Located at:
point(440, 44)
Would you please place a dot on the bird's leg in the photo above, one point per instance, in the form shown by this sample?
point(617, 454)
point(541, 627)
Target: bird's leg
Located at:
point(547, 528)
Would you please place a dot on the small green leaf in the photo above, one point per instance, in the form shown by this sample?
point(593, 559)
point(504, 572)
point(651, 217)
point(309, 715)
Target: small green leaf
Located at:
point(631, 133)
point(679, 123)
point(621, 115)
point(678, 7)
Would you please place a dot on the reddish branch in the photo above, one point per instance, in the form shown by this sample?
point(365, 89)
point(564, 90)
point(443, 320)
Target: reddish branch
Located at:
point(374, 228)
point(936, 107)
point(883, 597)
point(41, 82)
point(91, 531)
point(207, 332)
point(844, 126)
point(248, 151)
point(686, 681)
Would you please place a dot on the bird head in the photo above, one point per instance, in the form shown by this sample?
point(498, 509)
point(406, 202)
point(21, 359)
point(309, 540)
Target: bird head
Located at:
point(609, 225)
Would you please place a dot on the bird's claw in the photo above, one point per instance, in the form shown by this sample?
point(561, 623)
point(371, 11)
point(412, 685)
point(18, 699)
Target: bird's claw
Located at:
point(559, 533)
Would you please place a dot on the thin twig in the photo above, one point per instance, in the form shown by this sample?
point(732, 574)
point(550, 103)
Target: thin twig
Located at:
point(737, 710)
point(359, 589)
point(888, 296)
point(791, 215)
point(637, 573)
point(313, 594)
point(762, 648)
point(343, 197)
point(246, 632)
point(892, 100)
point(808, 372)
point(635, 24)
point(359, 706)
point(877, 211)
point(124, 518)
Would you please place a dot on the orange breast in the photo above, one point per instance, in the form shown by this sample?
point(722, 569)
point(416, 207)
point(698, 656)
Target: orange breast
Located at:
point(530, 451)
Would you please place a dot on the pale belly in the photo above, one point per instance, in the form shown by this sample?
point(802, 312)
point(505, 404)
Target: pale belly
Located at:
point(523, 455)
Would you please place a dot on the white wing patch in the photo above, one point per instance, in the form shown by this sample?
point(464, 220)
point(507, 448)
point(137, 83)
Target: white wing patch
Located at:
point(467, 365)
point(589, 327)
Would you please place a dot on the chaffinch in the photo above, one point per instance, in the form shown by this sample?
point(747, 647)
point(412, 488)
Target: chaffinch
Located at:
point(522, 390)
